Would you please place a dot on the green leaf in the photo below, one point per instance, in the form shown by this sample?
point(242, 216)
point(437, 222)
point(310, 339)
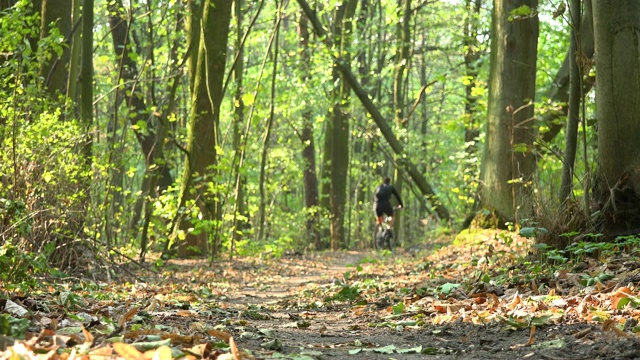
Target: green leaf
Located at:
point(530, 232)
point(448, 288)
point(151, 345)
point(413, 350)
point(389, 349)
point(398, 308)
point(623, 302)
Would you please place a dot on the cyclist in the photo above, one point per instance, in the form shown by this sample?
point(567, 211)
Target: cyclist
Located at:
point(382, 201)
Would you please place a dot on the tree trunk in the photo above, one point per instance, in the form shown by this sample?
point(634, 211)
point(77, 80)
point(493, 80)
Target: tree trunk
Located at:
point(571, 141)
point(240, 212)
point(132, 90)
point(339, 134)
point(508, 163)
point(617, 186)
point(400, 82)
point(203, 129)
point(74, 52)
point(267, 134)
point(55, 71)
point(559, 91)
point(311, 197)
point(86, 78)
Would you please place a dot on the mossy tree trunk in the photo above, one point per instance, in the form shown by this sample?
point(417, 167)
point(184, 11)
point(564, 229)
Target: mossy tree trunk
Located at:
point(199, 180)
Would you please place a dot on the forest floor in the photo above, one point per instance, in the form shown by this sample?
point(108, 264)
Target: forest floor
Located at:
point(488, 295)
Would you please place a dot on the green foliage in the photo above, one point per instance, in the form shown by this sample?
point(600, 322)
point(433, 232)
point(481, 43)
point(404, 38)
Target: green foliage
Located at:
point(12, 327)
point(42, 193)
point(522, 12)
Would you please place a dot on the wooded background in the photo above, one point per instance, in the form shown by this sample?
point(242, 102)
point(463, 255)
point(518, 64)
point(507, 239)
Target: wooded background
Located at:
point(224, 127)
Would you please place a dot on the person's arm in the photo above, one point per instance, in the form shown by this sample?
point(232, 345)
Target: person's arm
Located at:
point(395, 193)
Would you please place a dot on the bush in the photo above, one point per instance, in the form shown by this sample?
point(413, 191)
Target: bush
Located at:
point(43, 193)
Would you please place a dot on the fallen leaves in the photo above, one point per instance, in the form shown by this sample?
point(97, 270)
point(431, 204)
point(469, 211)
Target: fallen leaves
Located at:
point(218, 313)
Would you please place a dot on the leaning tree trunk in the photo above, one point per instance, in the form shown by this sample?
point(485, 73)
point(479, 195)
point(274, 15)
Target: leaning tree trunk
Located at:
point(348, 76)
point(508, 162)
point(617, 186)
point(559, 91)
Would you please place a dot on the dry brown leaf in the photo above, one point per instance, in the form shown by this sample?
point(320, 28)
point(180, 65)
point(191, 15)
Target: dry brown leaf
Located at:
point(88, 338)
point(224, 336)
point(516, 300)
point(127, 316)
point(582, 333)
point(531, 337)
point(234, 349)
point(185, 313)
point(198, 350)
point(495, 300)
point(128, 352)
point(101, 351)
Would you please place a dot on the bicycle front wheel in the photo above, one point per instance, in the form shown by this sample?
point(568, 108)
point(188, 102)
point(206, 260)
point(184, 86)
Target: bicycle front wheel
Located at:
point(378, 238)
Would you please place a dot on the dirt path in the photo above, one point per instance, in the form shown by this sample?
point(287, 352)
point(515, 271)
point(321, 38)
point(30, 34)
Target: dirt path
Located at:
point(293, 311)
point(481, 298)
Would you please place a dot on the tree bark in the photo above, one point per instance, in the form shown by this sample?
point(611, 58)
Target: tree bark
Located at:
point(508, 162)
point(617, 186)
point(75, 52)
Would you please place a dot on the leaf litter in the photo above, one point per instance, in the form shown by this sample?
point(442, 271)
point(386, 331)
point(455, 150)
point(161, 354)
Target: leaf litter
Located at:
point(484, 295)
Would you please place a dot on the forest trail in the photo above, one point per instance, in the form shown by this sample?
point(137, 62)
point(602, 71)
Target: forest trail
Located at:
point(463, 299)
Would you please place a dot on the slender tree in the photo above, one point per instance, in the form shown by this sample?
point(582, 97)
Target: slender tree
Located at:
point(559, 90)
point(400, 84)
point(308, 141)
point(240, 212)
point(571, 142)
point(86, 77)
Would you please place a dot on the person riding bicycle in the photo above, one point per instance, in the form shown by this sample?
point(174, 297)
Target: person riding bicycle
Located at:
point(382, 201)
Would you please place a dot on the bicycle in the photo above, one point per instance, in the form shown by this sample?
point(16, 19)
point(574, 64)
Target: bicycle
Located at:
point(383, 238)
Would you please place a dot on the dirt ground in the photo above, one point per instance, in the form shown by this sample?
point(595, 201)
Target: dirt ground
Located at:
point(280, 325)
point(441, 301)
